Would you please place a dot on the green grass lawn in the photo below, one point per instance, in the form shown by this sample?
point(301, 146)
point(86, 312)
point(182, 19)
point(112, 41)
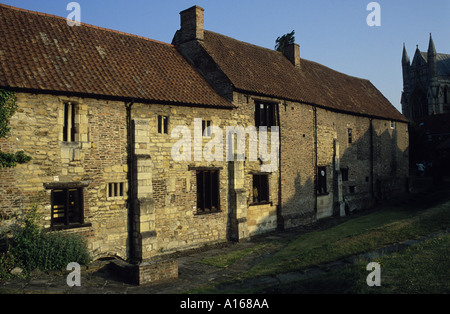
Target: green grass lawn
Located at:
point(421, 268)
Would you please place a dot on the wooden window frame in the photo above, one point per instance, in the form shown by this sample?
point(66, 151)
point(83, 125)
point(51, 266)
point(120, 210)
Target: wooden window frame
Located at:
point(76, 210)
point(265, 115)
point(163, 124)
point(205, 125)
point(261, 186)
point(208, 191)
point(69, 122)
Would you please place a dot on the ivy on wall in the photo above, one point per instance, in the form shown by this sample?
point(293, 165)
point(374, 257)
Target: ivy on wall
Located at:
point(8, 108)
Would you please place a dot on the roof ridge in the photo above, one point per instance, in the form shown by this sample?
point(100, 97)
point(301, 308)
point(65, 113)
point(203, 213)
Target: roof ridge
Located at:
point(83, 24)
point(278, 52)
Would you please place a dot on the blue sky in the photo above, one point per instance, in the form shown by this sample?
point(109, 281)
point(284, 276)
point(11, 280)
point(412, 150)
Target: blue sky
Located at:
point(333, 33)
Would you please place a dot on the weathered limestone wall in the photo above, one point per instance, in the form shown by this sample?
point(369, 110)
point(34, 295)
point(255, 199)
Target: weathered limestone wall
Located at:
point(98, 157)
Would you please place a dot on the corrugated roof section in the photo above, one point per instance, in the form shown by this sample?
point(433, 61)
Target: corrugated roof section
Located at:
point(41, 52)
point(265, 71)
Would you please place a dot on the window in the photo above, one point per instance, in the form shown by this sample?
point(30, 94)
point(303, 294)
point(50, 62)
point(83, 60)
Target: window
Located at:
point(350, 136)
point(322, 181)
point(265, 115)
point(69, 126)
point(163, 124)
point(352, 189)
point(67, 207)
point(205, 125)
point(392, 124)
point(260, 188)
point(115, 190)
point(208, 197)
point(344, 173)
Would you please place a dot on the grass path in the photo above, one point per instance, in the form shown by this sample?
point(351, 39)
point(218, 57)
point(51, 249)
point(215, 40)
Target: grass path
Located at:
point(394, 223)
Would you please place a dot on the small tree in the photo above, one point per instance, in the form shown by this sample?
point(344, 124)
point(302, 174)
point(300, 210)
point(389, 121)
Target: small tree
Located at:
point(284, 41)
point(8, 108)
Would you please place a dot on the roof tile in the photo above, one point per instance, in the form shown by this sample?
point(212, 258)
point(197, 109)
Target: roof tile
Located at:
point(42, 52)
point(265, 71)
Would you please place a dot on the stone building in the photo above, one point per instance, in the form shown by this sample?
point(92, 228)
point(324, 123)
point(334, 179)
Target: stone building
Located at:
point(426, 102)
point(426, 83)
point(148, 148)
point(342, 144)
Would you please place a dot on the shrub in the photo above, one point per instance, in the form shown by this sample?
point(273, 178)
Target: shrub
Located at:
point(35, 248)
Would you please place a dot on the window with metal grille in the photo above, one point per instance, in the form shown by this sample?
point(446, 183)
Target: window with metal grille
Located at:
point(208, 194)
point(260, 188)
point(67, 207)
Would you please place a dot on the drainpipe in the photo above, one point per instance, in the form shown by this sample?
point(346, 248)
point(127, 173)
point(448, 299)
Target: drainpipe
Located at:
point(371, 158)
point(280, 220)
point(131, 184)
point(315, 159)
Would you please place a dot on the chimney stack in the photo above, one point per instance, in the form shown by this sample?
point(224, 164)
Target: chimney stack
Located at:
point(292, 52)
point(192, 21)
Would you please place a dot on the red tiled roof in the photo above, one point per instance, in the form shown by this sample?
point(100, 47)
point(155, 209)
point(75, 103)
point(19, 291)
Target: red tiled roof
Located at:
point(41, 52)
point(267, 72)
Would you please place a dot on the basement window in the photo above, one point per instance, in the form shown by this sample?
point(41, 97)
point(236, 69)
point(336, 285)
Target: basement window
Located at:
point(67, 207)
point(208, 196)
point(260, 188)
point(163, 124)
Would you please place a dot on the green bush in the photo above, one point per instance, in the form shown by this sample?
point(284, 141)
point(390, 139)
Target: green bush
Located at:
point(34, 248)
point(49, 251)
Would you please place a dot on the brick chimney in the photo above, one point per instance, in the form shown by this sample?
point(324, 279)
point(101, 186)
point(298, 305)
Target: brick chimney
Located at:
point(192, 21)
point(292, 52)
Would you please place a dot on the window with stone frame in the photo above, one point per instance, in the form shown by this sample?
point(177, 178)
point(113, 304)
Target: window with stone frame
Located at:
point(67, 207)
point(115, 190)
point(261, 189)
point(208, 192)
point(322, 181)
point(206, 127)
point(350, 136)
point(344, 174)
point(163, 124)
point(70, 128)
point(265, 114)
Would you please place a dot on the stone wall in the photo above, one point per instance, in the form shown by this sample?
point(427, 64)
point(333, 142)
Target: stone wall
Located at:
point(97, 156)
point(165, 217)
